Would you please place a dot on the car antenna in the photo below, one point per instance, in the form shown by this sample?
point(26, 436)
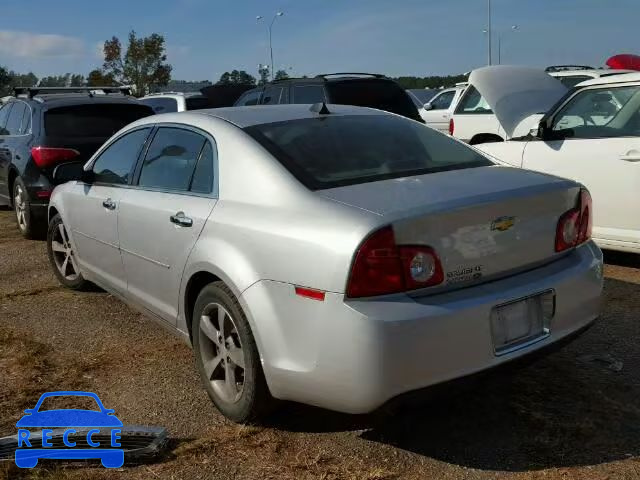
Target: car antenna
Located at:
point(320, 108)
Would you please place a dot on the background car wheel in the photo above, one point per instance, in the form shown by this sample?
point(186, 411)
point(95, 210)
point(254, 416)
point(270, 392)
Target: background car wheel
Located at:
point(227, 357)
point(62, 256)
point(22, 208)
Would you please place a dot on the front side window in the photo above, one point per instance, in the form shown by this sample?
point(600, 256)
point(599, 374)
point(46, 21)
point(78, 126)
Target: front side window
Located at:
point(171, 159)
point(271, 96)
point(249, 98)
point(600, 113)
point(473, 103)
point(308, 94)
point(443, 101)
point(115, 164)
point(334, 151)
point(14, 123)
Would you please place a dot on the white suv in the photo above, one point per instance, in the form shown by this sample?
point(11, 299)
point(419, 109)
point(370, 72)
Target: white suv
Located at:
point(169, 102)
point(437, 112)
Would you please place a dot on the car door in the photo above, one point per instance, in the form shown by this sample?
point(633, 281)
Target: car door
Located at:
point(438, 116)
point(474, 118)
point(271, 95)
point(162, 217)
point(5, 154)
point(92, 209)
point(595, 139)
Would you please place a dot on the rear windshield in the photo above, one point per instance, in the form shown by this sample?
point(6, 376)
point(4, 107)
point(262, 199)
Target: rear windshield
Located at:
point(95, 120)
point(380, 94)
point(333, 151)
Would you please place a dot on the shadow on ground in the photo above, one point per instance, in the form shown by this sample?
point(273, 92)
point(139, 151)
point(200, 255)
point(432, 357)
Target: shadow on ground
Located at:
point(570, 408)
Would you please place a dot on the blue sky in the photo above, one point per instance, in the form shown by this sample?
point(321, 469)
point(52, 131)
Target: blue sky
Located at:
point(396, 37)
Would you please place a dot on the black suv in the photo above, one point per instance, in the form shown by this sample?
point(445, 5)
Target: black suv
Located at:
point(43, 127)
point(359, 89)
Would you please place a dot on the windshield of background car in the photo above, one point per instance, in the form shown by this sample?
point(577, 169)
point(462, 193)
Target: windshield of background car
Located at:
point(97, 120)
point(472, 102)
point(572, 81)
point(333, 151)
point(602, 112)
point(381, 94)
point(57, 402)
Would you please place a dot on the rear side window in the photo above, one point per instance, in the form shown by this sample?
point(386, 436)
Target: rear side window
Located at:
point(116, 163)
point(203, 176)
point(308, 94)
point(99, 120)
point(161, 105)
point(14, 123)
point(249, 98)
point(381, 94)
point(171, 159)
point(473, 103)
point(333, 151)
point(572, 81)
point(4, 114)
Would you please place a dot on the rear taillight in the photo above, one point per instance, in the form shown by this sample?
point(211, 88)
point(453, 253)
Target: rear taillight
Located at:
point(574, 227)
point(452, 126)
point(382, 267)
point(45, 157)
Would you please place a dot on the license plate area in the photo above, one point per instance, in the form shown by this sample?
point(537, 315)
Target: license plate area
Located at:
point(520, 323)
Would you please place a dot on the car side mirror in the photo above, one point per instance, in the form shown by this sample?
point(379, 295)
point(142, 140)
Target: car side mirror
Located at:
point(67, 172)
point(428, 106)
point(29, 411)
point(109, 411)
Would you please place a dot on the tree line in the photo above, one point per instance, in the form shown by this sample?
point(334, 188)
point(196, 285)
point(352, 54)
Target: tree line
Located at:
point(143, 65)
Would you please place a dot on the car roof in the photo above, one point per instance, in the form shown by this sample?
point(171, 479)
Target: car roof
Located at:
point(248, 116)
point(629, 77)
point(56, 100)
point(594, 72)
point(172, 95)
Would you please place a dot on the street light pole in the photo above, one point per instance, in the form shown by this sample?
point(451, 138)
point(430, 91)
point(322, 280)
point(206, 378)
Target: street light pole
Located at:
point(488, 32)
point(258, 18)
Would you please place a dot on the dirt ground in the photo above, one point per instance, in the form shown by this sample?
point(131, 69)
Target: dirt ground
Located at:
point(572, 415)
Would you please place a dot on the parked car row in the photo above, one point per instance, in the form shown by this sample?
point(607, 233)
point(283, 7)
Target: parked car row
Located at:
point(328, 254)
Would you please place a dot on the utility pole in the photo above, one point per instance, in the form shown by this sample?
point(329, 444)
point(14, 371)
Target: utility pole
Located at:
point(488, 32)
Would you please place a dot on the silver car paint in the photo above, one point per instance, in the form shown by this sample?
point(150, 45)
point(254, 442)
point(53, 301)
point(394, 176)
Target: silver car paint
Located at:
point(267, 233)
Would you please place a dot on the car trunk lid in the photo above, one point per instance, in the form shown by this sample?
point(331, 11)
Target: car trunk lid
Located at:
point(484, 223)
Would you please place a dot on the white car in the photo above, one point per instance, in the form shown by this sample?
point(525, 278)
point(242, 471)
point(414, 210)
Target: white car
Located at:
point(474, 121)
point(592, 136)
point(170, 102)
point(437, 112)
point(571, 75)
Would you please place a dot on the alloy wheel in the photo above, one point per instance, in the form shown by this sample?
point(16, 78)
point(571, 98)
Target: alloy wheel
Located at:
point(63, 254)
point(21, 208)
point(221, 352)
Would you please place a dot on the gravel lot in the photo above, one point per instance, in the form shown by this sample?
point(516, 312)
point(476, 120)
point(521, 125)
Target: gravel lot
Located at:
point(572, 415)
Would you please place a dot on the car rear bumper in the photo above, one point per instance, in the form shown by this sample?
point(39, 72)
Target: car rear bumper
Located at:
point(355, 355)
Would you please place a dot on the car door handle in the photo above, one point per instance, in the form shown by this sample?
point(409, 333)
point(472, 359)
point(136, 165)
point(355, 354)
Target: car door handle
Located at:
point(181, 220)
point(631, 156)
point(109, 204)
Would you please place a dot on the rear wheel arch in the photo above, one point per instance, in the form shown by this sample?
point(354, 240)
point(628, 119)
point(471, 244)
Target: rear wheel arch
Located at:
point(53, 211)
point(485, 138)
point(195, 284)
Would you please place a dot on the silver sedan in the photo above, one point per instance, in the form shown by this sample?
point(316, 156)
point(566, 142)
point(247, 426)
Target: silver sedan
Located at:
point(332, 255)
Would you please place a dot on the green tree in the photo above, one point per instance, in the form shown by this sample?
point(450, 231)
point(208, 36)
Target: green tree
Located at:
point(77, 80)
point(281, 75)
point(55, 81)
point(143, 65)
point(97, 78)
point(236, 77)
point(5, 81)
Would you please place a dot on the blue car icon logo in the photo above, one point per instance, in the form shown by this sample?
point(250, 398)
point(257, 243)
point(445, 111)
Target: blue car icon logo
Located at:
point(85, 434)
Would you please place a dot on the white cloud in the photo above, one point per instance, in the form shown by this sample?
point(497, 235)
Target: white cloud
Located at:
point(28, 44)
point(177, 51)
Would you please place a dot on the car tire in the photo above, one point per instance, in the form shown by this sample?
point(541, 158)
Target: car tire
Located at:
point(62, 256)
point(219, 329)
point(24, 218)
